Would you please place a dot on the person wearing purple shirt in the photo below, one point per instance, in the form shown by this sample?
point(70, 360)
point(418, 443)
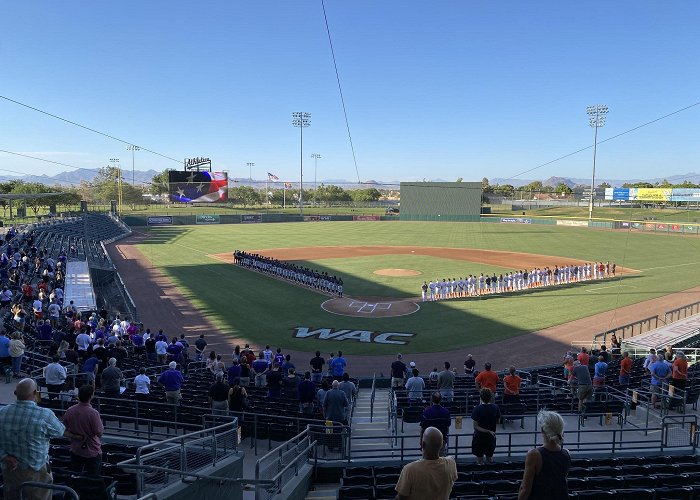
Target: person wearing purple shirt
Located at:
point(172, 381)
point(175, 350)
point(137, 341)
point(436, 416)
point(45, 331)
point(234, 373)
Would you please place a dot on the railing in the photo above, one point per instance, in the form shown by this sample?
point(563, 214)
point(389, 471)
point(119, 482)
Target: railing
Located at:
point(682, 312)
point(160, 464)
point(65, 490)
point(281, 464)
point(622, 332)
point(371, 398)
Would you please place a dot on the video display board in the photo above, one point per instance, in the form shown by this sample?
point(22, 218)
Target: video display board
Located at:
point(198, 187)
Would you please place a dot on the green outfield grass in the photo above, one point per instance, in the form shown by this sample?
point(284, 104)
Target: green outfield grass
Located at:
point(265, 310)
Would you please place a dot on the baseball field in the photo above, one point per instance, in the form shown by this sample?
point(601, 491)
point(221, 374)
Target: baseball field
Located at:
point(383, 265)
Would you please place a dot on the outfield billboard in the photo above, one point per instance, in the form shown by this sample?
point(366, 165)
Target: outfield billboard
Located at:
point(653, 194)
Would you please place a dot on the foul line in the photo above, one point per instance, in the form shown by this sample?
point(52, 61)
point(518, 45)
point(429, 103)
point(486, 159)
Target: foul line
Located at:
point(611, 286)
point(674, 265)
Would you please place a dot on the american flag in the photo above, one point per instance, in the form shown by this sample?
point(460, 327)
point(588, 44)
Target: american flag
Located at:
point(199, 187)
point(288, 185)
point(272, 177)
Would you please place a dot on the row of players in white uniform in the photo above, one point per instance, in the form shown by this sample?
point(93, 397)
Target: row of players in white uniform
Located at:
point(515, 281)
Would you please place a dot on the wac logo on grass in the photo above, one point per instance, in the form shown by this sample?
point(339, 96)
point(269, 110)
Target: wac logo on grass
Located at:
point(303, 332)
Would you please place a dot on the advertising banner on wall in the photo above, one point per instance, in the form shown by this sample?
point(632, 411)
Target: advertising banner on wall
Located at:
point(515, 220)
point(572, 223)
point(160, 220)
point(251, 218)
point(207, 219)
point(366, 217)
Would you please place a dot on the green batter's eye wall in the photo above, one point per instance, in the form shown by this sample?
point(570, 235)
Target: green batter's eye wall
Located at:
point(441, 201)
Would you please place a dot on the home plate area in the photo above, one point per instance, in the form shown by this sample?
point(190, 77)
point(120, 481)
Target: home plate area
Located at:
point(369, 307)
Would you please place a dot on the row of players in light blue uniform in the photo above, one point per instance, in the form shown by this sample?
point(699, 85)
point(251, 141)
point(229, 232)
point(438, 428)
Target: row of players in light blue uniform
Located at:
point(515, 280)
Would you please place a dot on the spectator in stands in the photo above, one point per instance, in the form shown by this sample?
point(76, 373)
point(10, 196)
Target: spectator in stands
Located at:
point(604, 352)
point(25, 431)
point(487, 379)
point(90, 368)
point(679, 375)
point(485, 416)
point(162, 351)
point(469, 366)
point(349, 388)
point(237, 400)
point(279, 357)
point(582, 379)
point(143, 385)
point(185, 353)
point(625, 369)
point(172, 380)
point(260, 369)
point(583, 357)
point(138, 343)
point(316, 365)
point(218, 396)
point(321, 394)
point(547, 467)
point(436, 416)
point(5, 358)
point(660, 374)
point(599, 372)
point(307, 394)
point(245, 372)
point(446, 383)
point(287, 363)
point(234, 373)
point(111, 379)
point(83, 420)
point(335, 405)
point(433, 378)
point(511, 387)
point(338, 365)
point(199, 345)
point(44, 331)
point(415, 386)
point(16, 349)
point(83, 341)
point(430, 477)
point(274, 382)
point(398, 371)
point(651, 358)
point(217, 367)
point(267, 354)
point(118, 352)
point(150, 345)
point(175, 351)
point(290, 385)
point(55, 375)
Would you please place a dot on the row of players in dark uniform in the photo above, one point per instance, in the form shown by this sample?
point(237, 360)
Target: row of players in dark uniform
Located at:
point(291, 272)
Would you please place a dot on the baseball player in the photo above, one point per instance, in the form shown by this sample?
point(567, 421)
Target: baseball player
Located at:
point(424, 291)
point(431, 287)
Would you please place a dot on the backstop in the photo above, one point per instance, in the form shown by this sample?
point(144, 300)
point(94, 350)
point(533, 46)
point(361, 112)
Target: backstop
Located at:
point(441, 201)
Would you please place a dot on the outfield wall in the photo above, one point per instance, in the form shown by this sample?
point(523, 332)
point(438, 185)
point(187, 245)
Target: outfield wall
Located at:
point(637, 226)
point(252, 218)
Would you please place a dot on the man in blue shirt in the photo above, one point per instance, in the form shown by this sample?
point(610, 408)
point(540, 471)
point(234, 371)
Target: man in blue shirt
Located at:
point(338, 365)
point(660, 373)
point(4, 349)
point(261, 368)
point(172, 380)
point(599, 372)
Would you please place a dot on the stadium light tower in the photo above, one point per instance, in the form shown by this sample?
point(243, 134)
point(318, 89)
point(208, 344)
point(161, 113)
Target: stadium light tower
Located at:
point(250, 166)
point(315, 156)
point(132, 148)
point(302, 120)
point(596, 119)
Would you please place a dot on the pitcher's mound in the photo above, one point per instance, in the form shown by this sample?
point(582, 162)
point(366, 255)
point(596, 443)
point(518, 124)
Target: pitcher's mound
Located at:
point(370, 307)
point(397, 272)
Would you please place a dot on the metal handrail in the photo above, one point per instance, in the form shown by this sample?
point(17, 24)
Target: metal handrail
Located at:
point(48, 486)
point(371, 398)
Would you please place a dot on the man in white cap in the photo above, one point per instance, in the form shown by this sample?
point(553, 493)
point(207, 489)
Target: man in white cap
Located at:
point(172, 380)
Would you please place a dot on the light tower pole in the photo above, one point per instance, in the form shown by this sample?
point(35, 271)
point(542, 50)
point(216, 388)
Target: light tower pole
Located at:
point(302, 120)
point(596, 119)
point(132, 148)
point(115, 162)
point(250, 166)
point(315, 156)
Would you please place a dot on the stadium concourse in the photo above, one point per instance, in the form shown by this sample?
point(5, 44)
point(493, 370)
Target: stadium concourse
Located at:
point(163, 305)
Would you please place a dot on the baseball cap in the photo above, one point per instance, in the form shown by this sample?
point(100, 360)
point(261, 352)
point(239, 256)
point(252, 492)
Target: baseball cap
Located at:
point(172, 365)
point(412, 364)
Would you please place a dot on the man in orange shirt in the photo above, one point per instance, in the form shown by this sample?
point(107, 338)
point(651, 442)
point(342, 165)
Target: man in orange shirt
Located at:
point(487, 379)
point(511, 383)
point(583, 357)
point(625, 369)
point(680, 371)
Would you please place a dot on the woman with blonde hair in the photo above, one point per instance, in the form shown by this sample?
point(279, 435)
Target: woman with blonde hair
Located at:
point(547, 467)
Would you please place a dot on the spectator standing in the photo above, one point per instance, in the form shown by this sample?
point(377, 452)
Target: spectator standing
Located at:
point(82, 340)
point(485, 417)
point(234, 373)
point(335, 405)
point(436, 416)
point(307, 394)
point(660, 373)
point(625, 369)
point(274, 382)
point(469, 366)
point(316, 365)
point(430, 477)
point(217, 367)
point(651, 358)
point(511, 387)
point(138, 343)
point(290, 385)
point(547, 467)
point(415, 386)
point(583, 357)
point(679, 375)
point(175, 350)
point(161, 350)
point(261, 368)
point(245, 372)
point(237, 400)
point(82, 419)
point(55, 376)
point(5, 349)
point(143, 385)
point(287, 364)
point(268, 355)
point(321, 394)
point(338, 365)
point(218, 396)
point(16, 350)
point(25, 431)
point(172, 380)
point(150, 345)
point(185, 353)
point(111, 379)
point(199, 345)
point(582, 379)
point(599, 370)
point(90, 368)
point(433, 378)
point(349, 388)
point(398, 371)
point(446, 383)
point(487, 379)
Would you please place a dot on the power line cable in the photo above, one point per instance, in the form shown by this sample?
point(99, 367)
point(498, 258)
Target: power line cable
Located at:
point(340, 90)
point(130, 143)
point(605, 140)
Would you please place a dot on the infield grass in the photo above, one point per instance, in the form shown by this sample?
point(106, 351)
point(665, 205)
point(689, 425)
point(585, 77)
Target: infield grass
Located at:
point(264, 310)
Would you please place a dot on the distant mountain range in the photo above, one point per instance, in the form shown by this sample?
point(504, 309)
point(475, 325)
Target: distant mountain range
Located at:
point(73, 178)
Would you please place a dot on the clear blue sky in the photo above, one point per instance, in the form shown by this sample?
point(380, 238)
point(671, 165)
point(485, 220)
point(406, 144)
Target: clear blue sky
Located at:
point(433, 89)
